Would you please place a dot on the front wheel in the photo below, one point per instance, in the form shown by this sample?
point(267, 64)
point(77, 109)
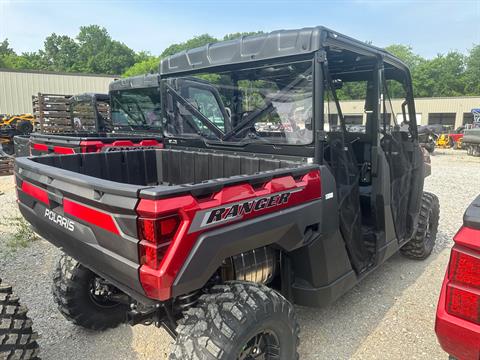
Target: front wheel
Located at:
point(238, 320)
point(423, 241)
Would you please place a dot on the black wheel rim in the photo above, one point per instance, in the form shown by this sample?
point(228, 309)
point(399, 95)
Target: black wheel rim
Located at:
point(264, 345)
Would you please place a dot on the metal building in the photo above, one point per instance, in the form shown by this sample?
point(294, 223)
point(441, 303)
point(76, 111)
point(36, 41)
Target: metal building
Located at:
point(449, 111)
point(17, 87)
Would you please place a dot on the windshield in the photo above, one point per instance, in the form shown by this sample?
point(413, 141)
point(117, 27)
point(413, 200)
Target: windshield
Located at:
point(136, 108)
point(269, 104)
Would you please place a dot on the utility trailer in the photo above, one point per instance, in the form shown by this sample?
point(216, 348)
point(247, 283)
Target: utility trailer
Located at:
point(216, 235)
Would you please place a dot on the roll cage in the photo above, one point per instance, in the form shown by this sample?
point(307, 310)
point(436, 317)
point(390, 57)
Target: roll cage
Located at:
point(327, 50)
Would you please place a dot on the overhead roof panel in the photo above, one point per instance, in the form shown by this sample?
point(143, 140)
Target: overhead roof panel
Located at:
point(276, 44)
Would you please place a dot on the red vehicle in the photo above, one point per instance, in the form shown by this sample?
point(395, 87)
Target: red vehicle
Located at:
point(458, 312)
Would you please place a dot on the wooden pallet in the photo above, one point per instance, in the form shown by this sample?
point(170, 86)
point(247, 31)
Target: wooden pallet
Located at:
point(52, 113)
point(6, 165)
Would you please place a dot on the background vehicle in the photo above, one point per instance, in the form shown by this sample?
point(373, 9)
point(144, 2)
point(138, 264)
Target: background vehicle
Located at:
point(12, 125)
point(427, 138)
point(22, 123)
point(471, 141)
point(132, 103)
point(216, 235)
point(458, 315)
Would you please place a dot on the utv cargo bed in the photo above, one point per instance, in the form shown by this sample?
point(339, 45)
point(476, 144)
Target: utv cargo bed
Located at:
point(91, 205)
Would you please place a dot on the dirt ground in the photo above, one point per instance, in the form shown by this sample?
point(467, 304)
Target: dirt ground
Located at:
point(389, 315)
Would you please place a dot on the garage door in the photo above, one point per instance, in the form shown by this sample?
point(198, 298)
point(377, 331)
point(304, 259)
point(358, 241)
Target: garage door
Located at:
point(467, 118)
point(353, 119)
point(447, 119)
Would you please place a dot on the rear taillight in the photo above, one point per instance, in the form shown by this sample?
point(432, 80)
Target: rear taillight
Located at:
point(463, 286)
point(464, 267)
point(155, 237)
point(463, 303)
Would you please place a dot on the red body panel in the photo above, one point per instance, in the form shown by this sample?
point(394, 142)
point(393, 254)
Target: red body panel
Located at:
point(96, 146)
point(36, 192)
point(458, 337)
point(40, 147)
point(157, 282)
point(93, 146)
point(90, 215)
point(63, 150)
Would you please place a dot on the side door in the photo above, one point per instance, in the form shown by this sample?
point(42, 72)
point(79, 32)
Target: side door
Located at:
point(399, 141)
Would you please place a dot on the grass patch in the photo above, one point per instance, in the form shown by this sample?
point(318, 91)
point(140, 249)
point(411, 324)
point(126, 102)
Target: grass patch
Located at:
point(21, 233)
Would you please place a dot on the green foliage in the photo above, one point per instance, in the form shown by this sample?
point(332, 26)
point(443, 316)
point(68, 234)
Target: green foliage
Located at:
point(441, 76)
point(194, 42)
point(98, 53)
point(406, 54)
point(5, 48)
point(60, 53)
point(20, 233)
point(94, 51)
point(240, 34)
point(355, 90)
point(472, 72)
point(146, 66)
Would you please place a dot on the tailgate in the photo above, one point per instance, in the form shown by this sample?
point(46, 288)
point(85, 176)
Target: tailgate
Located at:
point(91, 219)
point(43, 144)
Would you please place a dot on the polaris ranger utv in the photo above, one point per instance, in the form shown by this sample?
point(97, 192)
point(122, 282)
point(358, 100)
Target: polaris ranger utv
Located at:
point(133, 120)
point(216, 235)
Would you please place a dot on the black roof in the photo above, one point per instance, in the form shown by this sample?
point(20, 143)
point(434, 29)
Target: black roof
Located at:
point(277, 44)
point(135, 82)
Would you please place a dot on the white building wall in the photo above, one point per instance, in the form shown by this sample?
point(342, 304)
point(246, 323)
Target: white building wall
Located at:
point(17, 87)
point(423, 106)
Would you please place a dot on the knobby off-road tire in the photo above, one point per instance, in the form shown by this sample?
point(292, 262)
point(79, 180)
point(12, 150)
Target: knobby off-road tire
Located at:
point(235, 320)
point(71, 291)
point(422, 243)
point(17, 339)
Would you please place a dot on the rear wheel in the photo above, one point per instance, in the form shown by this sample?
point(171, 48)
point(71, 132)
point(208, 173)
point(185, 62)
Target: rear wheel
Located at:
point(422, 243)
point(84, 298)
point(238, 320)
point(17, 339)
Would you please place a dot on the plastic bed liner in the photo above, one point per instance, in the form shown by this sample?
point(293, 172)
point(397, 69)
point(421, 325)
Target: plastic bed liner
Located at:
point(162, 167)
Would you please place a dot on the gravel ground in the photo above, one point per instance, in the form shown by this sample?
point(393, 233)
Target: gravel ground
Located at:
point(389, 315)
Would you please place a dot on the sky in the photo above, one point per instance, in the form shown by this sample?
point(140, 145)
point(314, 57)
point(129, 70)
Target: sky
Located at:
point(429, 26)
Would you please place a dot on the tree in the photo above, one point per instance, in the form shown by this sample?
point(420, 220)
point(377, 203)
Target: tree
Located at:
point(240, 34)
point(98, 53)
point(472, 72)
point(406, 54)
point(441, 76)
point(5, 48)
point(61, 53)
point(149, 65)
point(194, 42)
point(6, 54)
